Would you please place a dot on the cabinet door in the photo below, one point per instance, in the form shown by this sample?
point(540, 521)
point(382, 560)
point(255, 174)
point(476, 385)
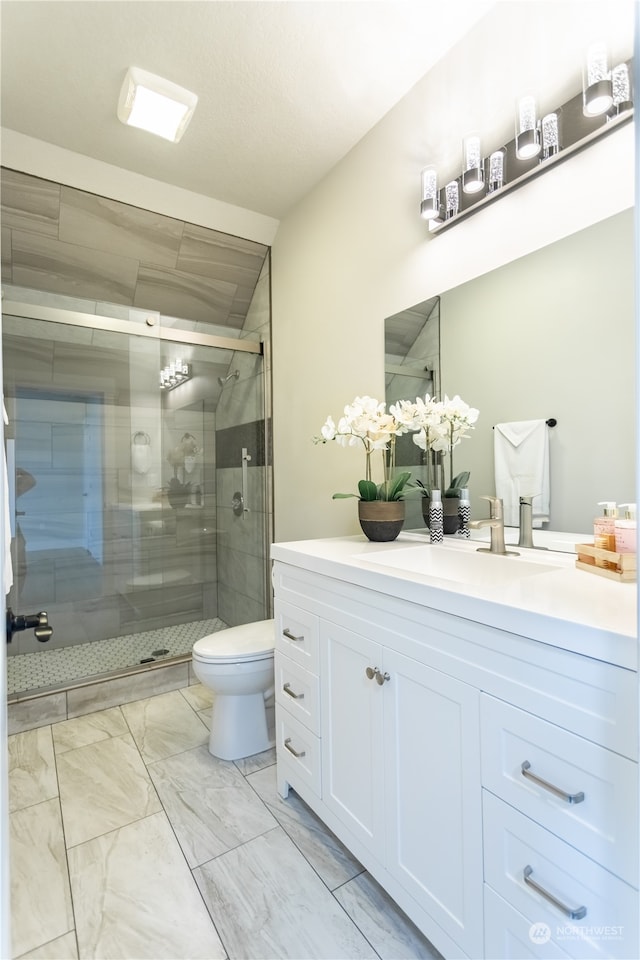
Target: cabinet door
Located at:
point(352, 748)
point(433, 800)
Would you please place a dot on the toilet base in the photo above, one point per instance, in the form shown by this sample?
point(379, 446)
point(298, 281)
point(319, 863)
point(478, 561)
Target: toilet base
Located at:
point(239, 727)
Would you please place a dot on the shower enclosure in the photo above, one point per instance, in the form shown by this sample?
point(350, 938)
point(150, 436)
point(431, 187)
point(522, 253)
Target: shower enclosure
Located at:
point(139, 487)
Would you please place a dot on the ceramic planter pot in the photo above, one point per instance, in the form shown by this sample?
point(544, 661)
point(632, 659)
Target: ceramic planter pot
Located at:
point(381, 520)
point(450, 509)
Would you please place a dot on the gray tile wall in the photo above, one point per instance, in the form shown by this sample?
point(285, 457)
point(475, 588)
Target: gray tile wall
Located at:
point(243, 542)
point(70, 242)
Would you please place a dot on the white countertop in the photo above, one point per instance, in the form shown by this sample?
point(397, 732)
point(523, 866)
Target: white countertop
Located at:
point(565, 607)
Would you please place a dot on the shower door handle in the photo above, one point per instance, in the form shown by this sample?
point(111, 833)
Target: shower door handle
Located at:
point(246, 457)
point(38, 622)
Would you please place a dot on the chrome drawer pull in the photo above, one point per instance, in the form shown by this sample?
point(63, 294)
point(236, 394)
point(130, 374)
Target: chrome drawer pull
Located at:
point(296, 696)
point(572, 914)
point(569, 797)
point(291, 750)
point(287, 633)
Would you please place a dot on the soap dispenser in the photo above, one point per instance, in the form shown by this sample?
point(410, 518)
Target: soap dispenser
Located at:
point(604, 532)
point(626, 529)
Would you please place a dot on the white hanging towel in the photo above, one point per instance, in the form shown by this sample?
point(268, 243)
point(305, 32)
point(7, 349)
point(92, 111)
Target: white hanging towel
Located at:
point(141, 452)
point(7, 565)
point(521, 452)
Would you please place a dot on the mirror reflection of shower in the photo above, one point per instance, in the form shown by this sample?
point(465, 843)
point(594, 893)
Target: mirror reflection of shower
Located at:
point(232, 376)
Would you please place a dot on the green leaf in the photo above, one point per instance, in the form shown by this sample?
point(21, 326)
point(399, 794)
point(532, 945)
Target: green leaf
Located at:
point(457, 484)
point(397, 486)
point(343, 496)
point(368, 490)
point(424, 489)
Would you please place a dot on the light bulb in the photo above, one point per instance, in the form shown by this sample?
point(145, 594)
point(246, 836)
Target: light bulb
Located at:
point(597, 95)
point(472, 174)
point(429, 205)
point(527, 132)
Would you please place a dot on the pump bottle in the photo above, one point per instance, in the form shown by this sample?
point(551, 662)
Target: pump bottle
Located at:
point(604, 532)
point(626, 530)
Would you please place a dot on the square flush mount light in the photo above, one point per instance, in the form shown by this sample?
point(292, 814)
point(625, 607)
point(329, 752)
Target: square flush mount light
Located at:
point(155, 104)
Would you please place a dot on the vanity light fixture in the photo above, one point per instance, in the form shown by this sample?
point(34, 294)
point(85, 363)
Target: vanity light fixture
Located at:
point(175, 373)
point(527, 130)
point(155, 104)
point(600, 105)
point(472, 171)
point(597, 86)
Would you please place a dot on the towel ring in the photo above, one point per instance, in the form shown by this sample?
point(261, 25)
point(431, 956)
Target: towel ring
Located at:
point(141, 438)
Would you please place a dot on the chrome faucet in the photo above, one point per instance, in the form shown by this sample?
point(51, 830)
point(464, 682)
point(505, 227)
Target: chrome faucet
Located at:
point(495, 522)
point(525, 538)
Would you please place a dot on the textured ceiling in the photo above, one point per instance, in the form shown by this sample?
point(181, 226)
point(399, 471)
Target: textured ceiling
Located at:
point(285, 89)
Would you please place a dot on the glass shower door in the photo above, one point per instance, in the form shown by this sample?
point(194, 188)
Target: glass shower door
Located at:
point(125, 530)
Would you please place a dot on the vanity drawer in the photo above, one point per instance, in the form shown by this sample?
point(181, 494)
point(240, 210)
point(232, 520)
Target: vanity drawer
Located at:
point(299, 750)
point(508, 935)
point(519, 853)
point(588, 797)
point(297, 634)
point(298, 691)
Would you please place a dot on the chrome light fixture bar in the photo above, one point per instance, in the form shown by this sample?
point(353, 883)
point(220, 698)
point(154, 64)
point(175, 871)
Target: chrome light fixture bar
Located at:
point(604, 103)
point(175, 373)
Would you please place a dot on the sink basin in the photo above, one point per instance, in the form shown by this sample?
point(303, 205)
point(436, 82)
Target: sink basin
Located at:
point(458, 566)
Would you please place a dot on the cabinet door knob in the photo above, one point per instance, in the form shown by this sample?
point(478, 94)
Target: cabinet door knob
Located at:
point(569, 797)
point(381, 677)
point(371, 672)
point(287, 744)
point(296, 696)
point(572, 913)
point(287, 633)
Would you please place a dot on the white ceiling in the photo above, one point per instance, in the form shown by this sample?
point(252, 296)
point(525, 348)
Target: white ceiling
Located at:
point(285, 88)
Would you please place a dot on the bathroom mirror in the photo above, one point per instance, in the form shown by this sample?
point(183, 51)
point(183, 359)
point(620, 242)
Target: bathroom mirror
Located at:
point(412, 369)
point(551, 335)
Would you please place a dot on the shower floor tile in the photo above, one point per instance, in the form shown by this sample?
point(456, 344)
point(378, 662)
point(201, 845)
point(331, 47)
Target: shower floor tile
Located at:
point(57, 667)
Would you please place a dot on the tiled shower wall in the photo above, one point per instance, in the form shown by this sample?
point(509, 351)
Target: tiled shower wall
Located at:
point(244, 592)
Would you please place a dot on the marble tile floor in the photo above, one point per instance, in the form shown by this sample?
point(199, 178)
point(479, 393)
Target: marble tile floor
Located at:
point(50, 667)
point(130, 841)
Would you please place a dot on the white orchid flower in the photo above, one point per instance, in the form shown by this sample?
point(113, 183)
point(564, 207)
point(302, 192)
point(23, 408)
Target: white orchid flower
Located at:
point(328, 430)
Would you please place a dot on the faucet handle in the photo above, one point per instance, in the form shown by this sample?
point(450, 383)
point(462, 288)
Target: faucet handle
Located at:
point(496, 511)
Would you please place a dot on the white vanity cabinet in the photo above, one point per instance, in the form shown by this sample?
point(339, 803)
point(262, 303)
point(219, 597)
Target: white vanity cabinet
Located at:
point(487, 780)
point(399, 768)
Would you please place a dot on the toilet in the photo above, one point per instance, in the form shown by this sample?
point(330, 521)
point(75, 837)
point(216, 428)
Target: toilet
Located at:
point(237, 666)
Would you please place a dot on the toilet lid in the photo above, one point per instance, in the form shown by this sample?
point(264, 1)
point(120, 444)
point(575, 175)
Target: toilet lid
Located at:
point(250, 641)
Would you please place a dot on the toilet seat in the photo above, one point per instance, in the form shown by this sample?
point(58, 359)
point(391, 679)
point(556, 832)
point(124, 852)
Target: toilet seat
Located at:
point(248, 642)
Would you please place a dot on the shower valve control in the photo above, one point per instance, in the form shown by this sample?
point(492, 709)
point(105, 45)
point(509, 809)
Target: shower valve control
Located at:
point(38, 622)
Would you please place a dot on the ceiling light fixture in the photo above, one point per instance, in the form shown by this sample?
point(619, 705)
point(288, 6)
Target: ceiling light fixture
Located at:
point(155, 104)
